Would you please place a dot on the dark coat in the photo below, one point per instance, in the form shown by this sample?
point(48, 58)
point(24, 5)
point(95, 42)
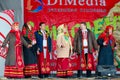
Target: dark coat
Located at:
point(39, 39)
point(30, 53)
point(92, 43)
point(10, 40)
point(105, 56)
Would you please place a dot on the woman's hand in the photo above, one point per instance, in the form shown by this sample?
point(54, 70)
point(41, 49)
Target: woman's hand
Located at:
point(29, 45)
point(33, 42)
point(116, 48)
point(104, 43)
point(95, 52)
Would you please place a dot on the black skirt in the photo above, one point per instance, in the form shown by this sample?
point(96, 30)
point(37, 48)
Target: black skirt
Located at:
point(29, 54)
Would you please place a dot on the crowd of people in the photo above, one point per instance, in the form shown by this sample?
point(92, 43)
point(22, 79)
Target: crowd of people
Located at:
point(28, 52)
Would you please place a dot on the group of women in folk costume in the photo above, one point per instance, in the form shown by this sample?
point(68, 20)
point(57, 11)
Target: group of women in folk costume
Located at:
point(29, 51)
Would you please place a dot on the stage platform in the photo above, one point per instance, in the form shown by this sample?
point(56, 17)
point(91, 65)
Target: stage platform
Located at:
point(67, 79)
point(74, 77)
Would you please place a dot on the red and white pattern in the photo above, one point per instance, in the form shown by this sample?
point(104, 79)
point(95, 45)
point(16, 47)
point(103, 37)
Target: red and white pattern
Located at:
point(6, 20)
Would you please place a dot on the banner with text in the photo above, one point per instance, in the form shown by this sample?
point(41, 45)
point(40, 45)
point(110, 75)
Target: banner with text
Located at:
point(96, 13)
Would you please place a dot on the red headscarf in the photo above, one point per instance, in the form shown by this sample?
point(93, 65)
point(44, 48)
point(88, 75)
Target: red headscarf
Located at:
point(109, 27)
point(106, 37)
point(15, 23)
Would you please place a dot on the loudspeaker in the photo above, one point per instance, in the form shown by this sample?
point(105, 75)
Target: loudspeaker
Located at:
point(106, 70)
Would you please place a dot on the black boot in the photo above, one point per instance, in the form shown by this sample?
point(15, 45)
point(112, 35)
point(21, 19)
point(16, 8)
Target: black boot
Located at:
point(46, 75)
point(41, 76)
point(79, 73)
point(27, 76)
point(88, 74)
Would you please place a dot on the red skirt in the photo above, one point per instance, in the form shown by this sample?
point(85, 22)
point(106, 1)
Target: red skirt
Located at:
point(13, 72)
point(63, 67)
point(31, 70)
point(44, 64)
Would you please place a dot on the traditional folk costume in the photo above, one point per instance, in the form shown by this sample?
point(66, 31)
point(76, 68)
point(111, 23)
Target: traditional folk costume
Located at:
point(106, 52)
point(64, 46)
point(14, 63)
point(44, 44)
point(30, 58)
point(84, 44)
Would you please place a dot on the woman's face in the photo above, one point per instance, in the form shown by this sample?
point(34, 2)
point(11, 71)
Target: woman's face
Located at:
point(65, 29)
point(15, 27)
point(29, 26)
point(110, 31)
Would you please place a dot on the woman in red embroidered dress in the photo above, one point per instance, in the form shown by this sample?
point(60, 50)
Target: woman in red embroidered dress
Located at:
point(14, 61)
point(64, 48)
point(30, 58)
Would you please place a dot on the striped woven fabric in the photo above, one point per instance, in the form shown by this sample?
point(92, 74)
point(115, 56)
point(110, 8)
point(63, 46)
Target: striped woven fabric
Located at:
point(13, 72)
point(31, 69)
